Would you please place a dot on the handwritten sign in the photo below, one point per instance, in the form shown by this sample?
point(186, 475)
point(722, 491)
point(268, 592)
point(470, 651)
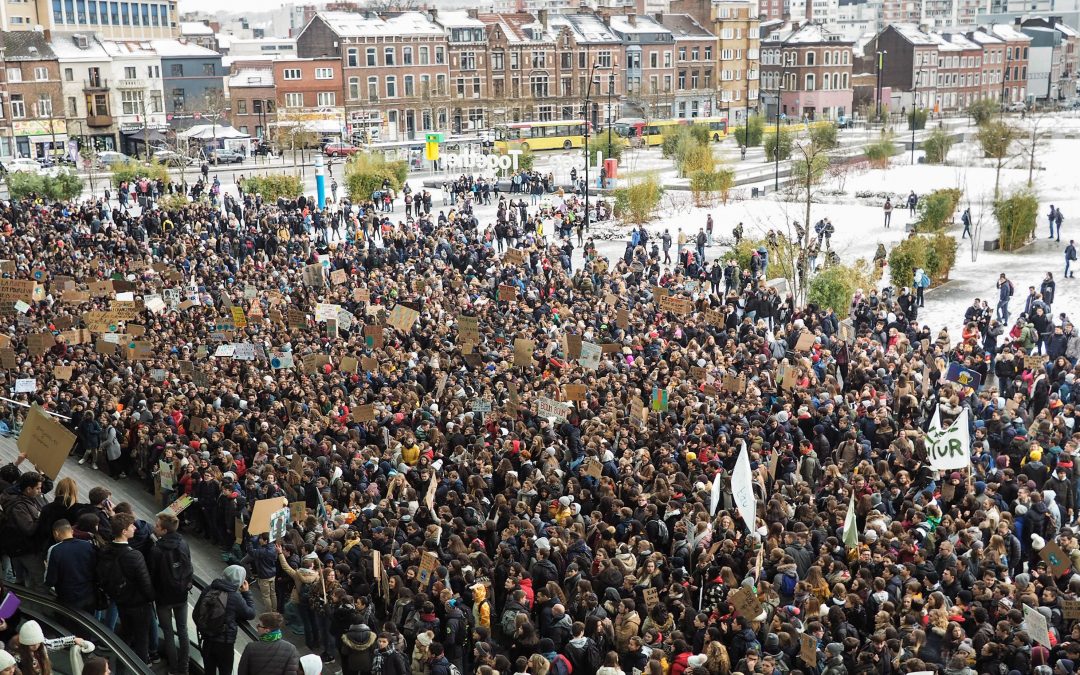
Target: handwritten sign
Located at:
point(402, 318)
point(746, 603)
point(45, 442)
point(523, 352)
point(675, 304)
point(590, 356)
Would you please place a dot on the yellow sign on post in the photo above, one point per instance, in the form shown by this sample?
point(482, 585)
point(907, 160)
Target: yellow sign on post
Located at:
point(431, 151)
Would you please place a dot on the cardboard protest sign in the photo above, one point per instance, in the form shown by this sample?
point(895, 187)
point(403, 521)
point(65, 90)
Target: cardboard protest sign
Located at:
point(1034, 362)
point(429, 563)
point(369, 364)
point(180, 505)
point(45, 441)
point(313, 363)
point(652, 597)
point(805, 342)
point(197, 425)
point(574, 392)
point(295, 318)
point(523, 352)
point(262, 511)
point(373, 336)
point(298, 511)
point(1070, 609)
point(338, 277)
point(746, 603)
point(364, 413)
point(622, 317)
point(166, 474)
point(279, 523)
point(572, 345)
point(62, 372)
point(1056, 559)
point(515, 256)
point(280, 360)
point(675, 304)
point(238, 317)
point(402, 318)
point(314, 277)
point(14, 290)
point(507, 292)
point(348, 364)
point(546, 407)
point(808, 649)
point(1036, 626)
point(25, 385)
point(468, 330)
point(594, 468)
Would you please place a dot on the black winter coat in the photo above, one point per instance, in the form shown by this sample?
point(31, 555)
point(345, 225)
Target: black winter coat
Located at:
point(240, 606)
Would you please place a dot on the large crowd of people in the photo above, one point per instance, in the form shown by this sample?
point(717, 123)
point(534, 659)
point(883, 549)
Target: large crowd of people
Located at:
point(498, 462)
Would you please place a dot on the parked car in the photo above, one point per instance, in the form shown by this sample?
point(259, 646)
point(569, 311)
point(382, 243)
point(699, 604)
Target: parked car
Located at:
point(845, 122)
point(171, 158)
point(1017, 106)
point(262, 148)
point(24, 165)
point(227, 156)
point(340, 149)
point(107, 158)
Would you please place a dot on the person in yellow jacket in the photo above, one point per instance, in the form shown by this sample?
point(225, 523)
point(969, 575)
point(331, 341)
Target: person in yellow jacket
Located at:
point(481, 606)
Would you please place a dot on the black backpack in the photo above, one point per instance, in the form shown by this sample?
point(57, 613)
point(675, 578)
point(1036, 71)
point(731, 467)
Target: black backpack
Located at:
point(210, 614)
point(110, 575)
point(174, 574)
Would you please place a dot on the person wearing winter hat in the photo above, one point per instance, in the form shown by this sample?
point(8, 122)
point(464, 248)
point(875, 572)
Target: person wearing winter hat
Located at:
point(31, 650)
point(8, 663)
point(269, 655)
point(125, 577)
point(311, 664)
point(217, 612)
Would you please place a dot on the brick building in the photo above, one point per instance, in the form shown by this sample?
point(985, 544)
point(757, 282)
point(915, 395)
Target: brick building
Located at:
point(1014, 63)
point(650, 60)
point(812, 69)
point(253, 100)
point(695, 66)
point(396, 69)
point(33, 97)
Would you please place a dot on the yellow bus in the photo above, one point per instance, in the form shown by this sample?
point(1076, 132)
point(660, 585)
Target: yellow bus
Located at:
point(652, 133)
point(553, 135)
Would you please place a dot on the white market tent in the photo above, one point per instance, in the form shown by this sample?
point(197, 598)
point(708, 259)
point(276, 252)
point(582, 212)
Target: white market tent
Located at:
point(206, 132)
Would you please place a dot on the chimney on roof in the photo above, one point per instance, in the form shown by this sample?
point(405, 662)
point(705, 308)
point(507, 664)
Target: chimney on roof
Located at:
point(434, 13)
point(631, 19)
point(474, 13)
point(542, 17)
point(659, 16)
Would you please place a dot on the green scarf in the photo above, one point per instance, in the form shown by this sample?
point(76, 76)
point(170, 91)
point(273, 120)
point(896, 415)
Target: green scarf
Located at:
point(270, 636)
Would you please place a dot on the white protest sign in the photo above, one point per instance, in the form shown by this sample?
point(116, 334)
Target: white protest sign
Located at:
point(225, 351)
point(1035, 624)
point(949, 449)
point(550, 408)
point(154, 303)
point(714, 498)
point(326, 310)
point(281, 360)
point(166, 474)
point(590, 355)
point(243, 351)
point(742, 489)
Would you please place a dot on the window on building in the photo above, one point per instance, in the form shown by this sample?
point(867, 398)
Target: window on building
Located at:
point(440, 56)
point(694, 79)
point(425, 85)
point(294, 99)
point(425, 119)
point(18, 107)
point(179, 100)
point(633, 60)
point(208, 69)
point(131, 102)
point(603, 59)
point(72, 106)
point(468, 60)
point(391, 86)
point(682, 79)
point(440, 85)
point(241, 106)
point(177, 70)
point(388, 56)
point(326, 98)
point(324, 73)
point(423, 53)
point(539, 59)
point(538, 85)
point(354, 88)
point(292, 74)
point(496, 60)
point(667, 59)
point(827, 59)
point(406, 56)
point(546, 113)
point(156, 104)
point(476, 87)
point(667, 84)
point(811, 58)
point(41, 73)
point(514, 60)
point(682, 53)
point(14, 75)
point(410, 86)
point(370, 56)
point(352, 57)
point(373, 88)
point(708, 53)
point(654, 60)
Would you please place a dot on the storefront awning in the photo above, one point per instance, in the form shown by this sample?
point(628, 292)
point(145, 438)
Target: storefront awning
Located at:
point(151, 135)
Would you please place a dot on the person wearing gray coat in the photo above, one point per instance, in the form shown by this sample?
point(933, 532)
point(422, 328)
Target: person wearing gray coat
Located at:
point(270, 654)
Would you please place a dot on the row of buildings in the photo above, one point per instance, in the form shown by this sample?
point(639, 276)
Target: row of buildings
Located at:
point(396, 76)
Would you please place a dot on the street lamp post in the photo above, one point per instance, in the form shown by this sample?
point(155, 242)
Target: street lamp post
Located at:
point(587, 114)
point(914, 108)
point(610, 91)
point(1005, 77)
point(776, 149)
point(879, 65)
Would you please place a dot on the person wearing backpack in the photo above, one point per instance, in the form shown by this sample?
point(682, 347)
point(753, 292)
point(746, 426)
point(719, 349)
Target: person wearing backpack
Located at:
point(387, 659)
point(583, 652)
point(438, 664)
point(560, 665)
point(172, 572)
point(306, 582)
point(1005, 293)
point(219, 609)
point(125, 578)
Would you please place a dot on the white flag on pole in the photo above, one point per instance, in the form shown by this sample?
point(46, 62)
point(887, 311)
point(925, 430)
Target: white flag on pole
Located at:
point(742, 490)
point(949, 449)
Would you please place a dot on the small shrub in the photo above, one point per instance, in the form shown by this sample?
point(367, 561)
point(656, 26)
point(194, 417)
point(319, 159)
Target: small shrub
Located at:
point(64, 186)
point(525, 161)
point(996, 138)
point(699, 133)
point(274, 186)
point(824, 136)
point(751, 133)
point(1017, 216)
point(879, 152)
point(704, 184)
point(935, 254)
point(670, 145)
point(917, 119)
point(835, 287)
point(780, 139)
point(637, 202)
point(982, 111)
point(694, 157)
point(937, 146)
point(936, 209)
point(743, 252)
point(174, 202)
point(365, 174)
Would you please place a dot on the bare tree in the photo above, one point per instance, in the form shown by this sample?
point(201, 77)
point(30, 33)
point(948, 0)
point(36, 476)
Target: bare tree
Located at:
point(215, 105)
point(384, 6)
point(996, 138)
point(1032, 143)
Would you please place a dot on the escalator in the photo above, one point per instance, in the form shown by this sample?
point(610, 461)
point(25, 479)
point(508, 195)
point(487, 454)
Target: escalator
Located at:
point(58, 620)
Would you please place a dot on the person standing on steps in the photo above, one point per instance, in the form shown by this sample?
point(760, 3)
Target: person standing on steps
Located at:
point(217, 612)
point(125, 578)
point(172, 572)
point(1070, 256)
point(1058, 219)
point(966, 220)
point(912, 202)
point(1051, 217)
point(888, 212)
point(1005, 293)
point(270, 654)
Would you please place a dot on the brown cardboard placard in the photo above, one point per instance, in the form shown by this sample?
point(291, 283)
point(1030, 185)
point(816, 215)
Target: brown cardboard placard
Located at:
point(298, 511)
point(675, 304)
point(746, 603)
point(1070, 609)
point(314, 277)
point(507, 292)
point(105, 348)
point(622, 317)
point(364, 413)
point(805, 342)
point(523, 352)
point(515, 256)
point(338, 277)
point(652, 597)
point(369, 364)
point(63, 372)
point(1056, 558)
point(196, 425)
point(45, 441)
point(402, 318)
point(348, 364)
point(594, 468)
point(428, 564)
point(260, 514)
point(573, 346)
point(295, 318)
point(468, 329)
point(808, 651)
point(574, 392)
point(313, 363)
